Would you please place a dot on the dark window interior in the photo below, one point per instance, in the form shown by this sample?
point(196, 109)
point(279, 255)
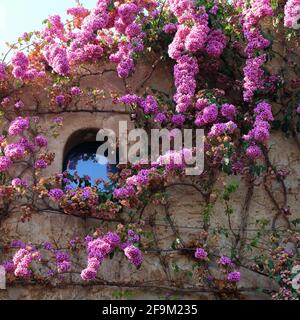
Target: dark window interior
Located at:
point(82, 159)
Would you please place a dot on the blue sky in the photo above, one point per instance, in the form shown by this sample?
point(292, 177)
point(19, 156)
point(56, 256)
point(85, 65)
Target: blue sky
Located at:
point(95, 170)
point(18, 16)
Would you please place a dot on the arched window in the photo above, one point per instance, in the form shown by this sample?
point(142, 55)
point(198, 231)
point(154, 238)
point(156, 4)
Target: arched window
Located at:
point(81, 159)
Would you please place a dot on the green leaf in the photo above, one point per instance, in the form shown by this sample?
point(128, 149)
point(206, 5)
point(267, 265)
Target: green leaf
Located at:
point(271, 264)
point(295, 222)
point(175, 267)
point(230, 188)
point(111, 255)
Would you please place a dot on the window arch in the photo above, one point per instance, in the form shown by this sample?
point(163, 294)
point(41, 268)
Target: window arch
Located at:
point(81, 160)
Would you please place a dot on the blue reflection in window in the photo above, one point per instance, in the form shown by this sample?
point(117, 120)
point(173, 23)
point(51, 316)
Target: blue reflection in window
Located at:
point(83, 161)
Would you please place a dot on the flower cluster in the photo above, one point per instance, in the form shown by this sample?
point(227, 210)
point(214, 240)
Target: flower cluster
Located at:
point(208, 115)
point(261, 129)
point(178, 120)
point(134, 255)
point(251, 16)
point(226, 266)
point(82, 199)
point(124, 193)
point(184, 73)
point(128, 23)
point(9, 266)
point(196, 39)
point(41, 164)
point(178, 44)
point(23, 259)
point(41, 141)
point(62, 261)
point(56, 57)
point(5, 163)
point(56, 194)
point(284, 266)
point(55, 28)
point(216, 43)
point(78, 12)
point(184, 10)
point(174, 160)
point(291, 13)
point(225, 261)
point(22, 70)
point(15, 151)
point(254, 152)
point(19, 183)
point(228, 111)
point(131, 186)
point(201, 254)
point(19, 105)
point(234, 276)
point(97, 251)
point(254, 76)
point(219, 129)
point(170, 28)
point(149, 105)
point(2, 71)
point(18, 126)
point(120, 33)
point(75, 91)
point(78, 200)
point(142, 178)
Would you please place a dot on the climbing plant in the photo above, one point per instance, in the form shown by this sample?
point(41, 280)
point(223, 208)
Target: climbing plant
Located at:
point(235, 75)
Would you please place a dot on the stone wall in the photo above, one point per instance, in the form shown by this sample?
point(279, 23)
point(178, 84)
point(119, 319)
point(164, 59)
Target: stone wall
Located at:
point(186, 209)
